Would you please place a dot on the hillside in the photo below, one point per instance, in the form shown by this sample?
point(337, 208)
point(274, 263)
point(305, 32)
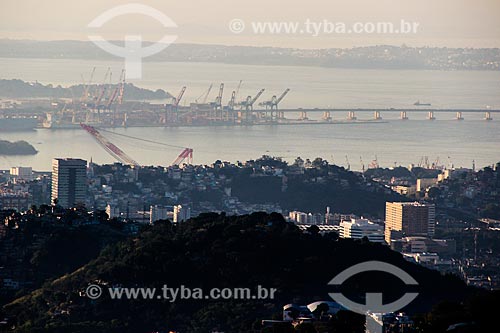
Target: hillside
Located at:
point(217, 251)
point(367, 57)
point(16, 148)
point(22, 89)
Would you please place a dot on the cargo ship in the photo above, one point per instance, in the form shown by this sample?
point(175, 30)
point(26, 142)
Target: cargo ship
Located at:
point(16, 124)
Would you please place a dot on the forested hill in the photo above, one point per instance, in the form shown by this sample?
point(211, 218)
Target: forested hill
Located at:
point(215, 250)
point(22, 89)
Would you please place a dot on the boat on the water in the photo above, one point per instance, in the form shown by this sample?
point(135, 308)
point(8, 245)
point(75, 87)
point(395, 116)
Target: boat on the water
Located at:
point(417, 103)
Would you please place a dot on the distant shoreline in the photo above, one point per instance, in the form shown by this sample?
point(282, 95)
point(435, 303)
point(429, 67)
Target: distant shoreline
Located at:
point(369, 57)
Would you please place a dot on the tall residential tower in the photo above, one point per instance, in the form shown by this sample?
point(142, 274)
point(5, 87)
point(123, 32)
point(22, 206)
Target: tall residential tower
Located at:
point(408, 219)
point(69, 181)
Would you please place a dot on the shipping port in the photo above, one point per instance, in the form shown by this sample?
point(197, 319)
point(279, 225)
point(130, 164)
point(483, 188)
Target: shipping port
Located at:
point(105, 105)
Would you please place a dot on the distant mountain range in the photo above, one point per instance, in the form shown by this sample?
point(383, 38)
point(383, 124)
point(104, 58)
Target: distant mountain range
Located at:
point(371, 57)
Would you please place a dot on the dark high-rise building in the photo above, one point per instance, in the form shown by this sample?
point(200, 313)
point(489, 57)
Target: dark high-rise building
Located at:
point(69, 181)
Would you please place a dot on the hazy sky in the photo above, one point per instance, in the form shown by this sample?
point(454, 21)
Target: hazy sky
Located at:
point(453, 23)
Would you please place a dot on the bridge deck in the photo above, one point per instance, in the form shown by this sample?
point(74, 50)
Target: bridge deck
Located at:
point(388, 110)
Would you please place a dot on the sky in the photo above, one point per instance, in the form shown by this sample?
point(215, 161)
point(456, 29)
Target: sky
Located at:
point(451, 23)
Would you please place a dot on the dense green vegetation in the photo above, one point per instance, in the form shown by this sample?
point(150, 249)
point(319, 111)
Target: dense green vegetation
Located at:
point(43, 246)
point(313, 189)
point(16, 148)
point(18, 89)
point(215, 250)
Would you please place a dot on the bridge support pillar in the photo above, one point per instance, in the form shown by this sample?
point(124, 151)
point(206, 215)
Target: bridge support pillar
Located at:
point(403, 115)
point(303, 115)
point(430, 115)
point(125, 119)
point(487, 115)
point(376, 115)
point(351, 115)
point(326, 116)
point(459, 116)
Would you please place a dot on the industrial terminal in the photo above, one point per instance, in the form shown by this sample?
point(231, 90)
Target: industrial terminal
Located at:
point(107, 105)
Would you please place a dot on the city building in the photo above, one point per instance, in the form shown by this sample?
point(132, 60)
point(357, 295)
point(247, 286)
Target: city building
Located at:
point(404, 219)
point(388, 323)
point(69, 181)
point(359, 228)
point(181, 213)
point(112, 211)
point(157, 213)
point(305, 218)
point(443, 247)
point(19, 201)
point(323, 228)
point(24, 173)
point(424, 183)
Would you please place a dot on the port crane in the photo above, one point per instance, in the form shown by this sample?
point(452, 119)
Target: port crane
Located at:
point(218, 99)
point(117, 93)
point(102, 91)
point(86, 86)
point(232, 101)
point(205, 95)
point(176, 100)
point(248, 103)
point(374, 163)
point(122, 87)
point(230, 104)
point(274, 101)
point(109, 147)
point(238, 89)
point(185, 155)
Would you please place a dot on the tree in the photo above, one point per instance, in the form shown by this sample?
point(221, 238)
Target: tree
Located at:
point(313, 230)
point(319, 163)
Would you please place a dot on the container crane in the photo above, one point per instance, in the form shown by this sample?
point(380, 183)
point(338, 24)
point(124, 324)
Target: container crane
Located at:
point(117, 93)
point(274, 101)
point(230, 104)
point(374, 164)
point(218, 99)
point(122, 87)
point(109, 147)
point(177, 100)
point(348, 165)
point(205, 95)
point(100, 93)
point(248, 103)
point(86, 86)
point(238, 89)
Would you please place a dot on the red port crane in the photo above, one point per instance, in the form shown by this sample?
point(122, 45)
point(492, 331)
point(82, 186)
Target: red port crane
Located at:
point(117, 94)
point(109, 147)
point(177, 100)
point(185, 155)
